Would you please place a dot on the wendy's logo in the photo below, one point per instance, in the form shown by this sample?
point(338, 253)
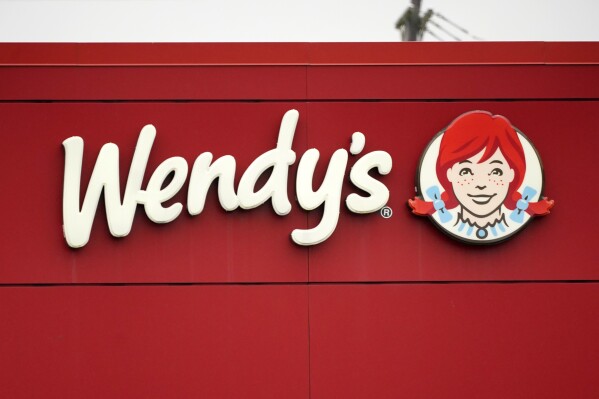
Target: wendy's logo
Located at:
point(480, 180)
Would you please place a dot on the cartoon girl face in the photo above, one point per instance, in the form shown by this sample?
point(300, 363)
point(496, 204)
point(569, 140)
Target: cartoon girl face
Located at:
point(474, 181)
point(480, 164)
point(481, 187)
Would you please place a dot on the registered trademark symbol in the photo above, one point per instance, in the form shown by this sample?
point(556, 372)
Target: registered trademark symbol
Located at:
point(386, 212)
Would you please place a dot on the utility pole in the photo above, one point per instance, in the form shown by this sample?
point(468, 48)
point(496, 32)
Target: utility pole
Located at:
point(411, 24)
point(414, 21)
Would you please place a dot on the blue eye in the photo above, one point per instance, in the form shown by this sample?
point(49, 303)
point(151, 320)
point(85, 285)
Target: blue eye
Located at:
point(496, 172)
point(466, 171)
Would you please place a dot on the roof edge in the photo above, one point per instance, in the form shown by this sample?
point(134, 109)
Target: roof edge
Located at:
point(388, 53)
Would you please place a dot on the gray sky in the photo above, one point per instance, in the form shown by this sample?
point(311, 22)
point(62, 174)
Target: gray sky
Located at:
point(284, 20)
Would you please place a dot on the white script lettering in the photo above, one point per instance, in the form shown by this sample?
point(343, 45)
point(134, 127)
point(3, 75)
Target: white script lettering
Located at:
point(78, 221)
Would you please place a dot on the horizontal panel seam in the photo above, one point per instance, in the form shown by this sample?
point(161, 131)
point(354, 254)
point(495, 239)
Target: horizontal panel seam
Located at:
point(301, 100)
point(318, 283)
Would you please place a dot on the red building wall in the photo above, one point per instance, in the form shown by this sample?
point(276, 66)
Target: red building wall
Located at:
point(224, 304)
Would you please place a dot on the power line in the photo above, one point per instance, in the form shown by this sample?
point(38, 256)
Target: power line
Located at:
point(444, 30)
point(433, 34)
point(455, 25)
point(413, 25)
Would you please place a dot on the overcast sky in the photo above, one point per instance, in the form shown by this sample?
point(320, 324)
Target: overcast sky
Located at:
point(285, 20)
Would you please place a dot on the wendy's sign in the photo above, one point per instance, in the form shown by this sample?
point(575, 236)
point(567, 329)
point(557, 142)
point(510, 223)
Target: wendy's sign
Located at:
point(170, 176)
point(480, 180)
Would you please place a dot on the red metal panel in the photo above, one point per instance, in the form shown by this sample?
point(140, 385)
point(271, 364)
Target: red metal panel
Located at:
point(571, 52)
point(477, 53)
point(452, 82)
point(153, 83)
point(296, 53)
point(560, 246)
point(454, 341)
point(289, 82)
point(151, 53)
point(154, 342)
point(233, 248)
point(215, 246)
point(426, 53)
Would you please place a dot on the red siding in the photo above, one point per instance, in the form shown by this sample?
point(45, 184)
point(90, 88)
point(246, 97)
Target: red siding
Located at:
point(224, 305)
point(154, 342)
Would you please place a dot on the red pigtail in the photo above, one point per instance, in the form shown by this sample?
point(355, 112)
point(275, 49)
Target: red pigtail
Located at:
point(540, 208)
point(421, 207)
